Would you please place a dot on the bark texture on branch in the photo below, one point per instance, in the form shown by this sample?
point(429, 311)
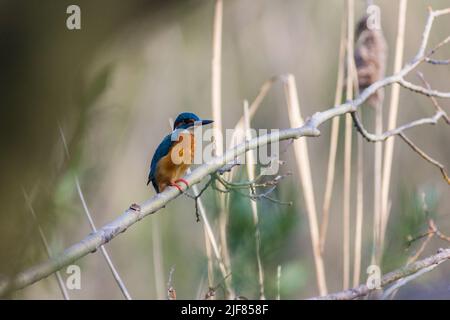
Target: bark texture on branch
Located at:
point(421, 266)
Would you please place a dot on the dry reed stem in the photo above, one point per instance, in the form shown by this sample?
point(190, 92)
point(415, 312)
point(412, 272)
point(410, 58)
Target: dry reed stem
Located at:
point(216, 97)
point(211, 239)
point(370, 59)
point(239, 132)
point(209, 257)
point(393, 112)
point(158, 268)
point(216, 67)
point(359, 196)
point(377, 168)
point(250, 155)
point(348, 148)
point(333, 143)
point(303, 165)
point(359, 211)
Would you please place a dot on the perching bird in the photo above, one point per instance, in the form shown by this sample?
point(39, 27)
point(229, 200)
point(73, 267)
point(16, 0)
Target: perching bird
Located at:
point(174, 155)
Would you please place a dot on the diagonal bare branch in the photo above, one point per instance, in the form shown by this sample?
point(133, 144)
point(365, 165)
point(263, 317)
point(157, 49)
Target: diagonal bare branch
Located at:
point(105, 254)
point(59, 278)
point(406, 273)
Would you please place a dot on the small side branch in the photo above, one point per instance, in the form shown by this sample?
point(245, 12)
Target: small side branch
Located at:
point(399, 132)
point(426, 157)
point(433, 230)
point(437, 62)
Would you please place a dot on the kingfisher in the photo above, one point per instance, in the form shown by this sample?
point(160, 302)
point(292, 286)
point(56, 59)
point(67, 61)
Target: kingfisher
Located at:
point(174, 154)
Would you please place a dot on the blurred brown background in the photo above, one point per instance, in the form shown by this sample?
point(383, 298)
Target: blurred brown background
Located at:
point(113, 85)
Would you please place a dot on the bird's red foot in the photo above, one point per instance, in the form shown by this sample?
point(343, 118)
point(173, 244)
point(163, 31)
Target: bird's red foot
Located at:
point(173, 184)
point(135, 207)
point(184, 181)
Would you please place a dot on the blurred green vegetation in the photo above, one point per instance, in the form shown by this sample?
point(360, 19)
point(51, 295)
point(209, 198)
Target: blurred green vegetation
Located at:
point(415, 209)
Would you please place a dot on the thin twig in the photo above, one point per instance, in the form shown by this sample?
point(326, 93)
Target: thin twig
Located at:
point(403, 281)
point(211, 293)
point(437, 62)
point(238, 133)
point(252, 185)
point(416, 256)
point(400, 132)
point(426, 157)
point(433, 99)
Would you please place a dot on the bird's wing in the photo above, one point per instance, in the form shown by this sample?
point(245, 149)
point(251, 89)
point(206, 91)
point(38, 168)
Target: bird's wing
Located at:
point(162, 150)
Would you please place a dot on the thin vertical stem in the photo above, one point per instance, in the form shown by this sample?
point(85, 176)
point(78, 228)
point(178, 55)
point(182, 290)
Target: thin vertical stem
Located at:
point(105, 254)
point(304, 168)
point(378, 167)
point(210, 235)
point(359, 193)
point(210, 261)
point(279, 282)
point(251, 176)
point(216, 97)
point(392, 122)
point(59, 278)
point(210, 241)
point(158, 268)
point(359, 212)
point(216, 65)
point(333, 142)
point(348, 147)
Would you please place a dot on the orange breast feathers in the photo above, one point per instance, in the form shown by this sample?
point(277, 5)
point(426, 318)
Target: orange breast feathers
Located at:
point(175, 164)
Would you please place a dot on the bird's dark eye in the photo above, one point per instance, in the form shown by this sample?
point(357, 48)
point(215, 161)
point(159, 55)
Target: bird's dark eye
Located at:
point(184, 121)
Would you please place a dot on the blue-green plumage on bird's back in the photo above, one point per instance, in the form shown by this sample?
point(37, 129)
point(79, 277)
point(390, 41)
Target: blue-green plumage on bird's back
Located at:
point(162, 150)
point(163, 171)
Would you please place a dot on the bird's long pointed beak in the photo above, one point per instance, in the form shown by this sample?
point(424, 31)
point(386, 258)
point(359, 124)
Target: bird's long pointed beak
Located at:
point(204, 122)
